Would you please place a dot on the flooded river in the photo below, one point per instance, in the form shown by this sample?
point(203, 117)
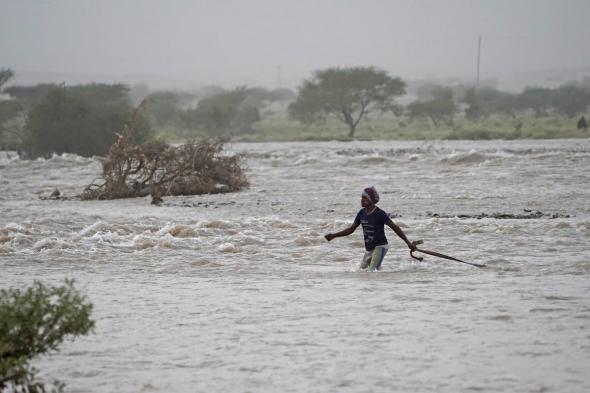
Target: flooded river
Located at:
point(240, 292)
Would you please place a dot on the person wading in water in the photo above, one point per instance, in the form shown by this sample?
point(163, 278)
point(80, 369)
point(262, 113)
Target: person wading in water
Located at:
point(373, 221)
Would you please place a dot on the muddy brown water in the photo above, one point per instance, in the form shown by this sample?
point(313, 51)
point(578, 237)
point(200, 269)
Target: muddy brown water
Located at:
point(240, 292)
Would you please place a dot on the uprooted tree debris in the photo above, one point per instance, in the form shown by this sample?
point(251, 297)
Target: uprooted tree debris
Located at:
point(159, 169)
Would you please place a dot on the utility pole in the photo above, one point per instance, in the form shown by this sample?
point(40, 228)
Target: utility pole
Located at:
point(478, 60)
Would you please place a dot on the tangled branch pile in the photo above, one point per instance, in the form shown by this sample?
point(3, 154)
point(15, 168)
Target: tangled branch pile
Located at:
point(158, 169)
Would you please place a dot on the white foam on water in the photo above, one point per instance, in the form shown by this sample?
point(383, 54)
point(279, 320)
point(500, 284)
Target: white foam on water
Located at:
point(244, 240)
point(51, 243)
point(303, 241)
point(228, 248)
point(106, 237)
point(144, 241)
point(93, 229)
point(8, 157)
point(217, 224)
point(468, 158)
point(12, 228)
point(67, 158)
point(179, 230)
point(305, 161)
point(246, 294)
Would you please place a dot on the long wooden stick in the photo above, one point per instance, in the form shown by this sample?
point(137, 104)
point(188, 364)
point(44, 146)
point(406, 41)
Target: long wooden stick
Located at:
point(438, 254)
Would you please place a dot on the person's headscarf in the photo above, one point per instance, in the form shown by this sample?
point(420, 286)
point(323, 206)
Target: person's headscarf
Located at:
point(371, 194)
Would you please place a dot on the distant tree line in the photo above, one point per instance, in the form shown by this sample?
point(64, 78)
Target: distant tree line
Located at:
point(47, 118)
point(232, 112)
point(213, 109)
point(440, 103)
point(350, 94)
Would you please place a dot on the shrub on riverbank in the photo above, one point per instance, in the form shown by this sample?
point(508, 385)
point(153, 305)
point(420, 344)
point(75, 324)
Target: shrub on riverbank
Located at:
point(36, 321)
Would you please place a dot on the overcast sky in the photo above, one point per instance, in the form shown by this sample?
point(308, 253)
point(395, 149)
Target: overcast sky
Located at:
point(234, 42)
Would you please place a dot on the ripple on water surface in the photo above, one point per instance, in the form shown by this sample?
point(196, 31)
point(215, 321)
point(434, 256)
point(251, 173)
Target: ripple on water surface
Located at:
point(240, 291)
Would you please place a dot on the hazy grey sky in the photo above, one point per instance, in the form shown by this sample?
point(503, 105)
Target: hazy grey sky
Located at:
point(243, 42)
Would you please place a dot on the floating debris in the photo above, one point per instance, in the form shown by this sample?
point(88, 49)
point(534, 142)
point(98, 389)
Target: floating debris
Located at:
point(527, 215)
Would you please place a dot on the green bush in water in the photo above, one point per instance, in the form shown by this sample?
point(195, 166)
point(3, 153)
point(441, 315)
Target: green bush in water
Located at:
point(36, 321)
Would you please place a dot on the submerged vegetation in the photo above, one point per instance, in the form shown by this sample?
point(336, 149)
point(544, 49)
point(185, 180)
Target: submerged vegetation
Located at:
point(158, 169)
point(34, 322)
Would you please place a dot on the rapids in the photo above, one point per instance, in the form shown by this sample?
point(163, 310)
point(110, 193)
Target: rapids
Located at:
point(240, 291)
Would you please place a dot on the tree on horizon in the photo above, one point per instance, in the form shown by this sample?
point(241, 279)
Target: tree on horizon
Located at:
point(348, 94)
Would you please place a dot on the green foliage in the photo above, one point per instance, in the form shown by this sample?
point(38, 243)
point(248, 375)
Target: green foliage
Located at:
point(347, 94)
point(8, 110)
point(493, 101)
point(539, 99)
point(425, 91)
point(582, 124)
point(571, 100)
point(12, 123)
point(568, 100)
point(209, 90)
point(36, 321)
point(229, 112)
point(282, 94)
point(392, 128)
point(29, 96)
point(80, 119)
point(5, 75)
point(473, 110)
point(475, 134)
point(162, 106)
point(438, 105)
point(486, 101)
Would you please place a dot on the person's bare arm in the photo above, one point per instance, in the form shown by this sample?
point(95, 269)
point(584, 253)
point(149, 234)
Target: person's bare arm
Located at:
point(344, 232)
point(401, 234)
